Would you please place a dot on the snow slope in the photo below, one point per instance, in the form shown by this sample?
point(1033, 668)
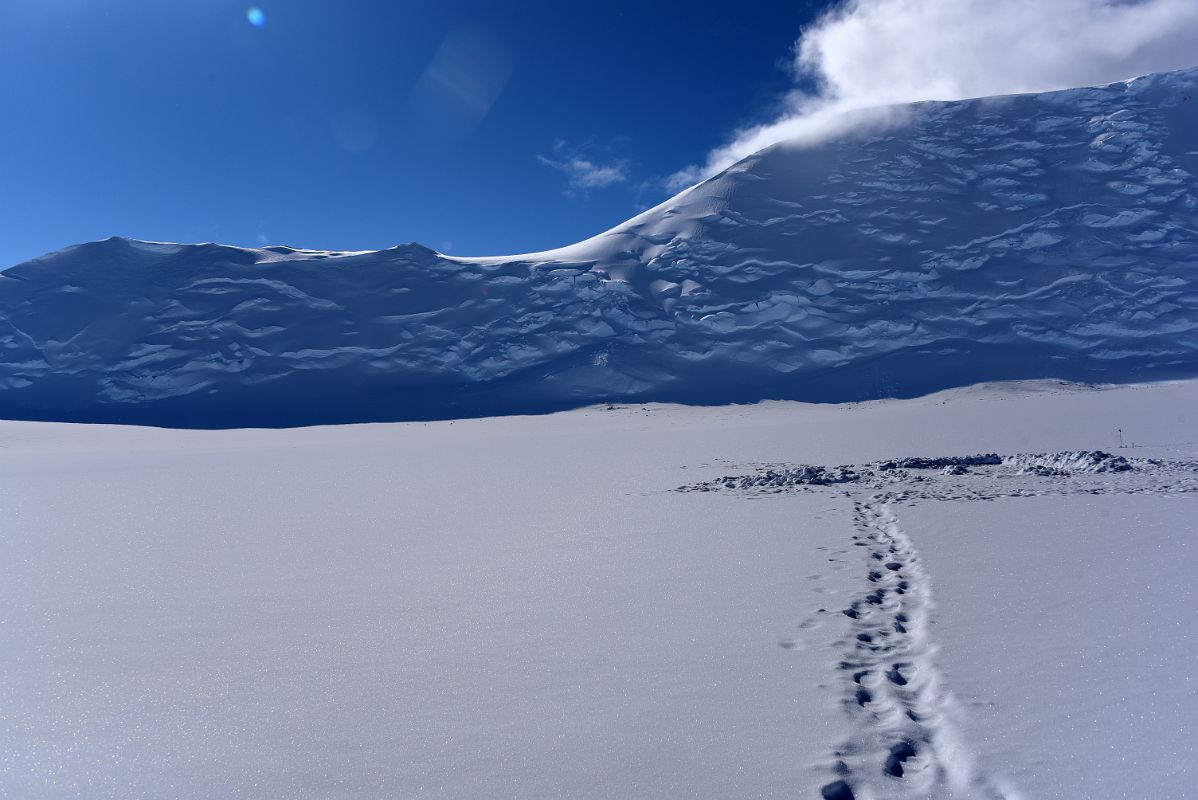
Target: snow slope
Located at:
point(939, 245)
point(526, 607)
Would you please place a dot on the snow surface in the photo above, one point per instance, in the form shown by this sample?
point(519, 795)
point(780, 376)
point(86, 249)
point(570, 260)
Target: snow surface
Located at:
point(1096, 592)
point(528, 607)
point(1030, 236)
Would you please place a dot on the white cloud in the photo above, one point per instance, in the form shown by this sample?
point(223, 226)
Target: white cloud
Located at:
point(869, 53)
point(583, 170)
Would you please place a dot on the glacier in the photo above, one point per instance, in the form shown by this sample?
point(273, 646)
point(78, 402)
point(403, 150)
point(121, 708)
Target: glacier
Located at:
point(934, 245)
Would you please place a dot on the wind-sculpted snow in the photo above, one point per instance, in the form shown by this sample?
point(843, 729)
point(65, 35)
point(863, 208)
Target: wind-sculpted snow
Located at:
point(1051, 235)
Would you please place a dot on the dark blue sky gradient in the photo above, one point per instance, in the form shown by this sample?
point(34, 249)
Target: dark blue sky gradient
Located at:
point(179, 120)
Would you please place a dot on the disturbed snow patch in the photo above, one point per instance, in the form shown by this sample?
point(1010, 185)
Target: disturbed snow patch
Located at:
point(997, 475)
point(1085, 461)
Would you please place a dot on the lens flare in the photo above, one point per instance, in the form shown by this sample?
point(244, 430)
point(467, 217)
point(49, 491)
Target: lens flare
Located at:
point(255, 16)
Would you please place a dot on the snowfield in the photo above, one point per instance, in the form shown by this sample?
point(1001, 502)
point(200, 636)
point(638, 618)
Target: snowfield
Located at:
point(937, 245)
point(608, 603)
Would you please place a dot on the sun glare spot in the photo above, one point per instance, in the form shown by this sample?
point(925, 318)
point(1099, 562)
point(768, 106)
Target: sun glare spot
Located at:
point(255, 16)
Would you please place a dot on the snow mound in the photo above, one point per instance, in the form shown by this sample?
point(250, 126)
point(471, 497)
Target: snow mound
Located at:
point(1022, 237)
point(802, 475)
point(942, 462)
point(1085, 461)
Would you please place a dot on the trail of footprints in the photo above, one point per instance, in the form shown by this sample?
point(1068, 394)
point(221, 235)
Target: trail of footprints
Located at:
point(904, 744)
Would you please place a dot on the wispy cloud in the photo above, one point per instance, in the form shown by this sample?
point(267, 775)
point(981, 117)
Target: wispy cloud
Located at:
point(869, 53)
point(584, 168)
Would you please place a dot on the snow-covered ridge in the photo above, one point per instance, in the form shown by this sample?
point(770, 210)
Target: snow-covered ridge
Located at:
point(1051, 235)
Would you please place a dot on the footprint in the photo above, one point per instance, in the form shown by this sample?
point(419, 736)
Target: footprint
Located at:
point(838, 790)
point(899, 754)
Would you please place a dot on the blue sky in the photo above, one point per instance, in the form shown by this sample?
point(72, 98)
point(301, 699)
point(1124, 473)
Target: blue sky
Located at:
point(473, 127)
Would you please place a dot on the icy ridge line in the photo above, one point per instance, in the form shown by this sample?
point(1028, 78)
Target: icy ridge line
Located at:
point(1032, 236)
